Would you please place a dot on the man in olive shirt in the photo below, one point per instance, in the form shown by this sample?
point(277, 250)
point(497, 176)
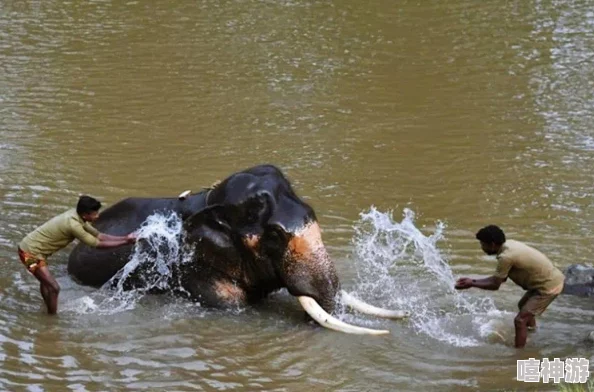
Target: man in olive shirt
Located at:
point(526, 267)
point(56, 234)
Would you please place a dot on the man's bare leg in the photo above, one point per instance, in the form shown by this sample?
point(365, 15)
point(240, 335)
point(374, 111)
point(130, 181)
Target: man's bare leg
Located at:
point(49, 288)
point(532, 324)
point(521, 323)
point(45, 292)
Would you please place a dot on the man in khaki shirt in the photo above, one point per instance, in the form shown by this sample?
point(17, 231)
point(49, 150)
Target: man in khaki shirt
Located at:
point(526, 267)
point(56, 234)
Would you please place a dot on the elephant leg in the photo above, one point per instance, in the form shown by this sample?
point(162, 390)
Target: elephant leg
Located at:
point(215, 292)
point(229, 293)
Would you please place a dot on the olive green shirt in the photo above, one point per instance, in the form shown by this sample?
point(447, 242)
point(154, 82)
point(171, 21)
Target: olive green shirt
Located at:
point(57, 233)
point(528, 268)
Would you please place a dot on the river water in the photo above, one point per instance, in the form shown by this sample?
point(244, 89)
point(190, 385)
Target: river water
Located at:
point(406, 125)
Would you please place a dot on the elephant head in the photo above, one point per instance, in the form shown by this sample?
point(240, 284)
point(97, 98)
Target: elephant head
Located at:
point(254, 236)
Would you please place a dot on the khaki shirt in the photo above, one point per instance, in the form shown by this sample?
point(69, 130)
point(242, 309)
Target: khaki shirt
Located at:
point(57, 233)
point(528, 268)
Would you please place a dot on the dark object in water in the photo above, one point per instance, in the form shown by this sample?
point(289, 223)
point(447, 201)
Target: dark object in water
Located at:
point(579, 280)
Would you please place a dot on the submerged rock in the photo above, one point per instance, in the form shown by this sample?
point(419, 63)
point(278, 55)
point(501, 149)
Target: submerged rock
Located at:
point(579, 280)
point(579, 273)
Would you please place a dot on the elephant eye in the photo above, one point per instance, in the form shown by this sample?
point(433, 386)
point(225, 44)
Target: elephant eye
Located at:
point(253, 210)
point(252, 217)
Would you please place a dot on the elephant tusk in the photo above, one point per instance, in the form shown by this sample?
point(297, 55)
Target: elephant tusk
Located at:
point(328, 321)
point(365, 308)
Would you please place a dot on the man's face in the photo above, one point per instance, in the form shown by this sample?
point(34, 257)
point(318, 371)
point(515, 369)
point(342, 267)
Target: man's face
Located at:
point(489, 248)
point(91, 216)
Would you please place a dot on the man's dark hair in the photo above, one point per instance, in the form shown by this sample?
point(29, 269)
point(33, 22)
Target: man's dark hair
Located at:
point(87, 204)
point(491, 234)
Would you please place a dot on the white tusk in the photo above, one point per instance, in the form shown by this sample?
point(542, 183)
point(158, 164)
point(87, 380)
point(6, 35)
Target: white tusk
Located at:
point(184, 194)
point(326, 320)
point(365, 308)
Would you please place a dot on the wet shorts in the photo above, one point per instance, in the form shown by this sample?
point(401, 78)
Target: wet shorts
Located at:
point(31, 262)
point(535, 302)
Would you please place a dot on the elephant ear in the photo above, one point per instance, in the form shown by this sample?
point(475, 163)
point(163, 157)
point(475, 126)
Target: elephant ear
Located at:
point(210, 224)
point(214, 241)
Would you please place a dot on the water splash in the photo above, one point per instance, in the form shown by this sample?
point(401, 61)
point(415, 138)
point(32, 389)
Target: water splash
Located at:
point(403, 268)
point(152, 268)
point(158, 251)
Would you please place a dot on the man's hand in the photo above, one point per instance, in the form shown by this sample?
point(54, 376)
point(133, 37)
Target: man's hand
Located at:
point(463, 284)
point(131, 238)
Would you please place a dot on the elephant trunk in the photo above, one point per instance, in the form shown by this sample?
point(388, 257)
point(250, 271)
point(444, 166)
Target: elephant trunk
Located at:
point(308, 269)
point(311, 276)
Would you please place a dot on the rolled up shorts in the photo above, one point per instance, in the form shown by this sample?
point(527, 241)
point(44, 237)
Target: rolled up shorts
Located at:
point(30, 261)
point(535, 302)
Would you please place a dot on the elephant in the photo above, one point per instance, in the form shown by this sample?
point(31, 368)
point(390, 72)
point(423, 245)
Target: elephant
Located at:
point(249, 236)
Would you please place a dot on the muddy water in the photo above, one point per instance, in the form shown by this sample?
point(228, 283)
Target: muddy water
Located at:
point(464, 113)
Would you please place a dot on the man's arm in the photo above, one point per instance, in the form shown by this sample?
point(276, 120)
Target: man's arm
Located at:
point(504, 266)
point(111, 243)
point(489, 283)
point(109, 237)
point(83, 235)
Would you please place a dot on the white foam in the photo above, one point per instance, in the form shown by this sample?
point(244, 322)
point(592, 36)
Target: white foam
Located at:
point(82, 305)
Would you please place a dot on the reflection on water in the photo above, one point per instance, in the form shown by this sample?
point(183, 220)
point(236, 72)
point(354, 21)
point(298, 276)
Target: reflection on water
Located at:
point(465, 113)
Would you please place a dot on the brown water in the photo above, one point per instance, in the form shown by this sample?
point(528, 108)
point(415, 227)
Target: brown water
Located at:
point(465, 112)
